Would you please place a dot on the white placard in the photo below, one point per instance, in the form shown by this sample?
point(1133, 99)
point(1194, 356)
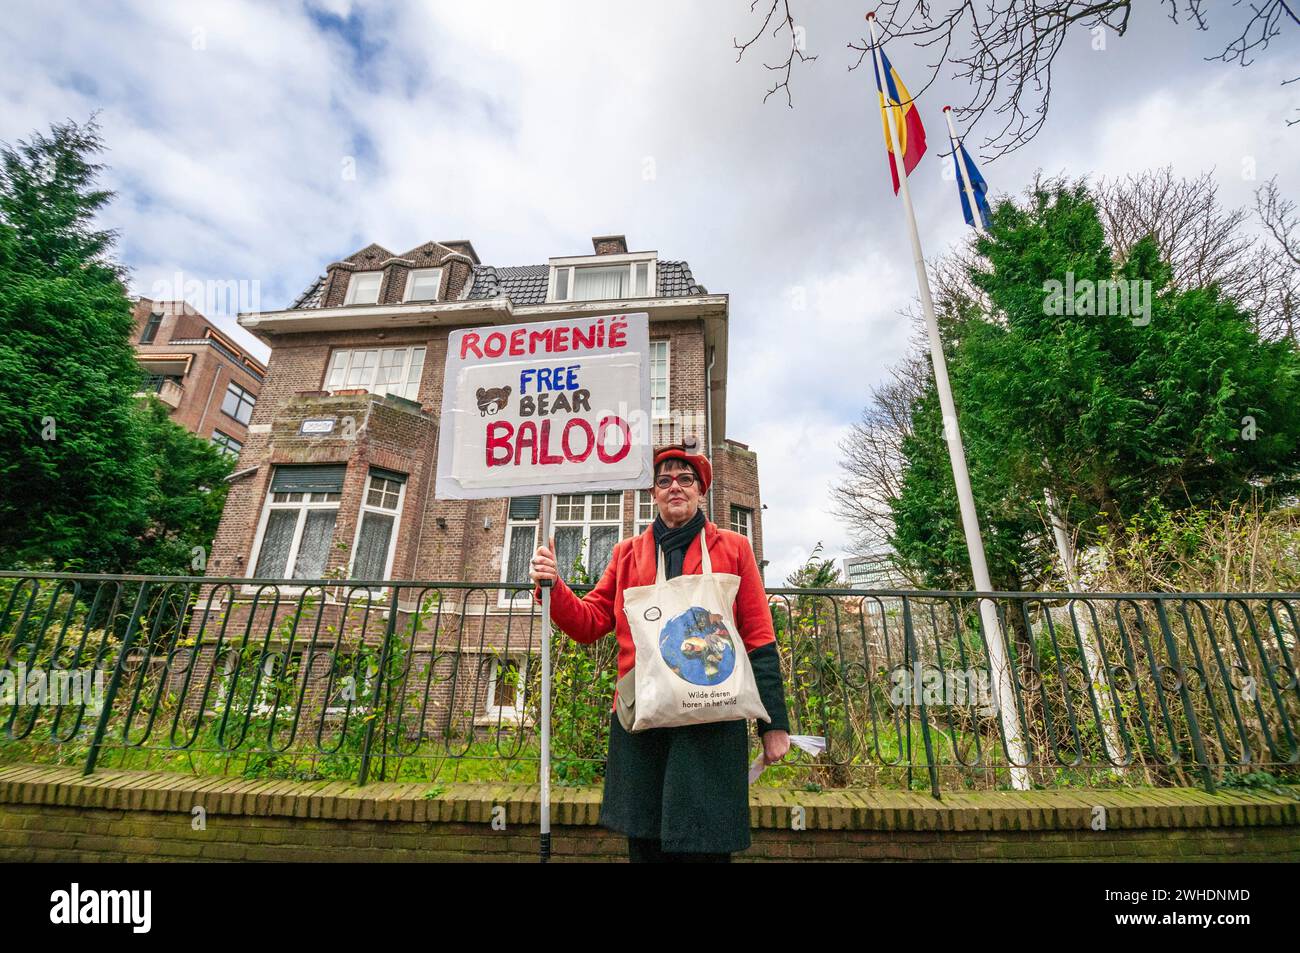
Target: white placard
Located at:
point(547, 407)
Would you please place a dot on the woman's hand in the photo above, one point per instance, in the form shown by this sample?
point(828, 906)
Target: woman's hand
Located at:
point(543, 564)
point(775, 744)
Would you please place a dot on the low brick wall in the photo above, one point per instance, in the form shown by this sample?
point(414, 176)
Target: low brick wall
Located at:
point(53, 814)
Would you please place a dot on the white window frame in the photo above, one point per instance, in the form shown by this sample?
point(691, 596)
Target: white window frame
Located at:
point(351, 296)
point(748, 531)
point(410, 284)
point(604, 261)
point(644, 496)
point(304, 505)
point(503, 598)
point(385, 389)
point(379, 510)
point(586, 522)
point(667, 380)
point(259, 706)
point(506, 713)
point(506, 599)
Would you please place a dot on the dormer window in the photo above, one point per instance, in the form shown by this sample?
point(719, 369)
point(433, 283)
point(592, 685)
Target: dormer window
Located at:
point(363, 288)
point(422, 284)
point(151, 328)
point(602, 279)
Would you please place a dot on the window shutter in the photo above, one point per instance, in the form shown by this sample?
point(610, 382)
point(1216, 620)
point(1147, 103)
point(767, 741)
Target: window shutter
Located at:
point(326, 479)
point(525, 507)
point(381, 474)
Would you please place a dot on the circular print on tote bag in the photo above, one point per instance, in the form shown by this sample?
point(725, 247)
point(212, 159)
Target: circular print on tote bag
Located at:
point(697, 646)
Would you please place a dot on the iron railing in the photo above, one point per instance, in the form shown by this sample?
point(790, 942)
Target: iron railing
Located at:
point(408, 680)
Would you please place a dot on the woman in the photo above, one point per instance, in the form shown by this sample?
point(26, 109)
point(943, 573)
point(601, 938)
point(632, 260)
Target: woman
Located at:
point(679, 793)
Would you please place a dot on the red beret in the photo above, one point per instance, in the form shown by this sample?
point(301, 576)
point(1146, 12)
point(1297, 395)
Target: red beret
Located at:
point(696, 460)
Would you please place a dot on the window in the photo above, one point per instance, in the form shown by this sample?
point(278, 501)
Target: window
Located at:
point(363, 287)
point(151, 328)
point(645, 511)
point(586, 526)
point(599, 282)
point(297, 526)
point(742, 522)
point(521, 541)
point(226, 443)
point(275, 675)
point(505, 689)
point(658, 379)
point(238, 403)
point(422, 284)
point(372, 554)
point(594, 284)
point(389, 370)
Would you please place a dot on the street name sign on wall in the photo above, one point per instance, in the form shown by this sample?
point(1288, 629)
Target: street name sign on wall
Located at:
point(546, 407)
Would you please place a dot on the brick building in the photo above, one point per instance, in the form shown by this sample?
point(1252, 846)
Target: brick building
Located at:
point(349, 410)
point(336, 476)
point(209, 382)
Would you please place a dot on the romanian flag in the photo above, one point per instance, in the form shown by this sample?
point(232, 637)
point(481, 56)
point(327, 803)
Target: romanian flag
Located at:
point(912, 132)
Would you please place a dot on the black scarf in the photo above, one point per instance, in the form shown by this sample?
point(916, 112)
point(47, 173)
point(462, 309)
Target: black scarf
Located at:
point(675, 541)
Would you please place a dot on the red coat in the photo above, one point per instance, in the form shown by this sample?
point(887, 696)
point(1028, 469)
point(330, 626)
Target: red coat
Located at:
point(634, 563)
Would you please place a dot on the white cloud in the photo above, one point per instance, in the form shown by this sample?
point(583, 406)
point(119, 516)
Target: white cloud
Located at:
point(528, 128)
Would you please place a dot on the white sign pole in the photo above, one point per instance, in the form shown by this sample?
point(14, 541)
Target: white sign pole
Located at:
point(1002, 685)
point(546, 691)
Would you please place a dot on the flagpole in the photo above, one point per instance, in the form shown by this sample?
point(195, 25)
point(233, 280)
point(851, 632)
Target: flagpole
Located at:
point(1002, 683)
point(1091, 649)
point(545, 769)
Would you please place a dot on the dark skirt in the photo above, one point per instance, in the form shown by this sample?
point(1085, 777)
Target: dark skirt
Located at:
point(686, 786)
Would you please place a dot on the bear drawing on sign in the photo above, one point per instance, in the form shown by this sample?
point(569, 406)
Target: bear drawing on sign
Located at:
point(490, 400)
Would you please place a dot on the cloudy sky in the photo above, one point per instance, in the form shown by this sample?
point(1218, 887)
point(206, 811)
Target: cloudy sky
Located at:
point(255, 142)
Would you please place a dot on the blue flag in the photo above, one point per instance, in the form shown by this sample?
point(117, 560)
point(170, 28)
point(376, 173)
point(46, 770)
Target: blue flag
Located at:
point(978, 186)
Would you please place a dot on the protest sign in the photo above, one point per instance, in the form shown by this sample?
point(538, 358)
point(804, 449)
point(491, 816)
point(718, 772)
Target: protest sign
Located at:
point(546, 407)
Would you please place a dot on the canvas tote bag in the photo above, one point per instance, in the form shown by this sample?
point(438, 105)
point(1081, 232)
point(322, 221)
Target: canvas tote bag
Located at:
point(691, 665)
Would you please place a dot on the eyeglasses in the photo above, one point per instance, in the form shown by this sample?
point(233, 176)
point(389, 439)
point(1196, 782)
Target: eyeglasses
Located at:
point(684, 480)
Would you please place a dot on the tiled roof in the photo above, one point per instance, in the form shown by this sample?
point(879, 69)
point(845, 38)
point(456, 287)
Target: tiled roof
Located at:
point(676, 280)
point(311, 297)
point(526, 284)
point(522, 284)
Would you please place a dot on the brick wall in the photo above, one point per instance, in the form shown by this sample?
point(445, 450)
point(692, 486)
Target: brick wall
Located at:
point(735, 483)
point(209, 373)
point(456, 268)
point(465, 549)
point(54, 814)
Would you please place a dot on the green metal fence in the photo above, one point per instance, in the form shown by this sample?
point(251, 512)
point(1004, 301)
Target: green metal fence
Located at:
point(435, 680)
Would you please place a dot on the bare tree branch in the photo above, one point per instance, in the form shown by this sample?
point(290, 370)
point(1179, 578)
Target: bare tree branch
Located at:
point(795, 47)
point(1004, 50)
point(1280, 220)
point(1263, 25)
